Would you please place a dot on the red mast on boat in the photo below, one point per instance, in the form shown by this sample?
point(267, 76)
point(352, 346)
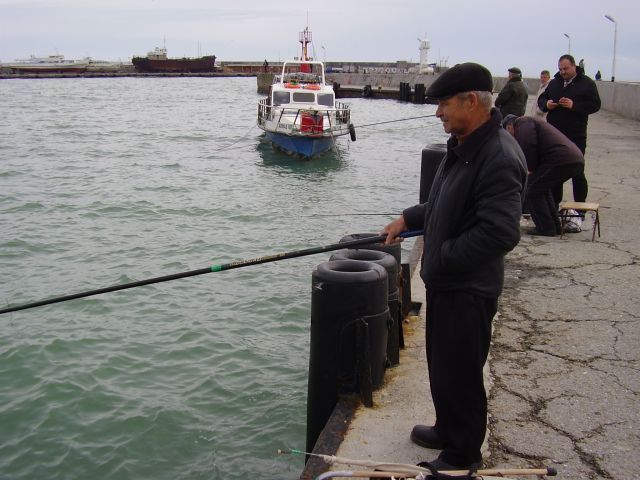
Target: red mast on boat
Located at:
point(305, 39)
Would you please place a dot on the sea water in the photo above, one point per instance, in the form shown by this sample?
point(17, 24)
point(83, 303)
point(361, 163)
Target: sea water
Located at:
point(108, 181)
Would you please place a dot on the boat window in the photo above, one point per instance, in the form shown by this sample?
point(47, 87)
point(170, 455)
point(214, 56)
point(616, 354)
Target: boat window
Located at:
point(304, 97)
point(280, 98)
point(325, 99)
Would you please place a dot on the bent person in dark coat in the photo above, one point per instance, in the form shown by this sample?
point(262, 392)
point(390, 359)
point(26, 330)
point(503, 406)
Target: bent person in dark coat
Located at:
point(470, 220)
point(552, 159)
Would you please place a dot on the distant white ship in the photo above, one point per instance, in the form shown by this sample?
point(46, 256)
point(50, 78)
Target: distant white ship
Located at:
point(49, 64)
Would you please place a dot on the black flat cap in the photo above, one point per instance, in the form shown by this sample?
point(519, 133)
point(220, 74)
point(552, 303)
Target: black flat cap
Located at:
point(464, 77)
point(515, 70)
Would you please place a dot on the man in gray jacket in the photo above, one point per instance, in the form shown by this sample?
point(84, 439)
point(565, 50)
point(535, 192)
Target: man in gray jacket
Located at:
point(470, 221)
point(512, 99)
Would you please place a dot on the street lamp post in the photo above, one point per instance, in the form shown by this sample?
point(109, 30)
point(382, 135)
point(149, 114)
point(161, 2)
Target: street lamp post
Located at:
point(569, 52)
point(615, 41)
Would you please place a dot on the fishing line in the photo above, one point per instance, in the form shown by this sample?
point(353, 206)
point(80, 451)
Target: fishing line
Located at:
point(393, 121)
point(228, 147)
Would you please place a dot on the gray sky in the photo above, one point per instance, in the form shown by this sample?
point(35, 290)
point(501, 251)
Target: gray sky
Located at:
point(496, 33)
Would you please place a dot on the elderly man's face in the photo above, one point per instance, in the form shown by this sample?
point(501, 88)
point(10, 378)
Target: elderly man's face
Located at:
point(454, 114)
point(567, 71)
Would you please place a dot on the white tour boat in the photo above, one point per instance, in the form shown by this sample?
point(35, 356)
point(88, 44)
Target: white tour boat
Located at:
point(301, 115)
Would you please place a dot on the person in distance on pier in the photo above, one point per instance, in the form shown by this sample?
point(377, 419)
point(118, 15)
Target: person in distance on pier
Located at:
point(470, 221)
point(545, 77)
point(512, 99)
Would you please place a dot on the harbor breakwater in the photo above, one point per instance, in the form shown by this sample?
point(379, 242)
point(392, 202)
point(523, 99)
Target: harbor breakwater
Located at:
point(622, 98)
point(617, 97)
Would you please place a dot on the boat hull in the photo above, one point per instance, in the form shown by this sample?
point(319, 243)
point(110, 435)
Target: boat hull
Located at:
point(306, 147)
point(177, 65)
point(46, 68)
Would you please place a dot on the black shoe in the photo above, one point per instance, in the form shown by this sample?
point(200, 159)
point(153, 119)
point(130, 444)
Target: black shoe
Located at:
point(538, 233)
point(426, 437)
point(442, 466)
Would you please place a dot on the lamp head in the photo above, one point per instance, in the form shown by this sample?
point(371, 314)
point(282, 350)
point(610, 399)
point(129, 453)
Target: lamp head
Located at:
point(610, 18)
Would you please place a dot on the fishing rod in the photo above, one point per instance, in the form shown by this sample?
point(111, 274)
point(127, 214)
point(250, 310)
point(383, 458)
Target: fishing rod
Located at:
point(315, 215)
point(214, 268)
point(392, 121)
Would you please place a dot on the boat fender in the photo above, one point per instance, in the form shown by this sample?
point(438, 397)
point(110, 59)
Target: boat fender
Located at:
point(352, 132)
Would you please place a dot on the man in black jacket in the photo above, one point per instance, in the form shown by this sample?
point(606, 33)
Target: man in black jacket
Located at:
point(470, 221)
point(512, 99)
point(552, 159)
point(569, 99)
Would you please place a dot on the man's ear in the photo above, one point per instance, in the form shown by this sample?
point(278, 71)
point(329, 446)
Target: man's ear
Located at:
point(472, 99)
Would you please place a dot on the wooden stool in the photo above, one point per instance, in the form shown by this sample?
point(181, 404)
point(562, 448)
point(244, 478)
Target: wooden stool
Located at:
point(564, 214)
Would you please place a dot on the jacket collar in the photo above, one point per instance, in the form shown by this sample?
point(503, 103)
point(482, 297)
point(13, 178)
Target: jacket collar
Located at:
point(466, 151)
point(579, 73)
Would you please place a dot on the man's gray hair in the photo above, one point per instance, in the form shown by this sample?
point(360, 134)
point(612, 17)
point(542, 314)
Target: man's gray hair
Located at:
point(485, 98)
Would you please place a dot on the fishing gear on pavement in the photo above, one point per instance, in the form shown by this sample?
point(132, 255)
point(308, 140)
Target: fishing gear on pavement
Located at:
point(406, 470)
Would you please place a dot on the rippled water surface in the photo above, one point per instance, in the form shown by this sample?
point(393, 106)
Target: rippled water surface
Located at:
point(107, 181)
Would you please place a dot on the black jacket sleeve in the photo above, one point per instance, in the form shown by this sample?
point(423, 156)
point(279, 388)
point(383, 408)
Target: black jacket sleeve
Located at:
point(588, 99)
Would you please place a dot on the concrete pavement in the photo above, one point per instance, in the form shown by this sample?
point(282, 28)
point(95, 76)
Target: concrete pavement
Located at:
point(564, 368)
point(566, 360)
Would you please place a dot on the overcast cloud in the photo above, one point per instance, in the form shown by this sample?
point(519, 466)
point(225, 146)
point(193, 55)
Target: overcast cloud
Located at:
point(496, 33)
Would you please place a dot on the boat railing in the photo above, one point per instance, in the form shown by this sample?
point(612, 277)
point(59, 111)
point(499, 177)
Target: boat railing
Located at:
point(315, 68)
point(301, 77)
point(288, 118)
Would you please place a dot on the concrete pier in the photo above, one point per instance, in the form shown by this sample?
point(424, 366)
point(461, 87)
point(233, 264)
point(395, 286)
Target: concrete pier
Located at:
point(617, 97)
point(564, 371)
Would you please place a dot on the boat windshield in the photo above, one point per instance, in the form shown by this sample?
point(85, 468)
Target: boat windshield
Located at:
point(281, 98)
point(325, 99)
point(304, 97)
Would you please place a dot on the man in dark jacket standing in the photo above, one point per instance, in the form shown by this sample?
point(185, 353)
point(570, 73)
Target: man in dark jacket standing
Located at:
point(569, 99)
point(512, 99)
point(470, 221)
point(552, 159)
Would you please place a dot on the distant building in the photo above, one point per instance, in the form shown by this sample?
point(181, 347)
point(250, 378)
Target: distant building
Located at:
point(425, 66)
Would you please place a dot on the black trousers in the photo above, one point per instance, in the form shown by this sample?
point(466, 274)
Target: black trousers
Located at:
point(540, 198)
point(578, 181)
point(458, 335)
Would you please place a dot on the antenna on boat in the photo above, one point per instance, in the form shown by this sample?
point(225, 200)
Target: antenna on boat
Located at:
point(305, 39)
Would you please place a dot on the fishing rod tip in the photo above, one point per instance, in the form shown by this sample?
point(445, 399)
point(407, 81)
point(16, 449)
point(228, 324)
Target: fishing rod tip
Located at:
point(290, 451)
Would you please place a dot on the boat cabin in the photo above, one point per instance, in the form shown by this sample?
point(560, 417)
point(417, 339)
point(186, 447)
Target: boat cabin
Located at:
point(302, 97)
